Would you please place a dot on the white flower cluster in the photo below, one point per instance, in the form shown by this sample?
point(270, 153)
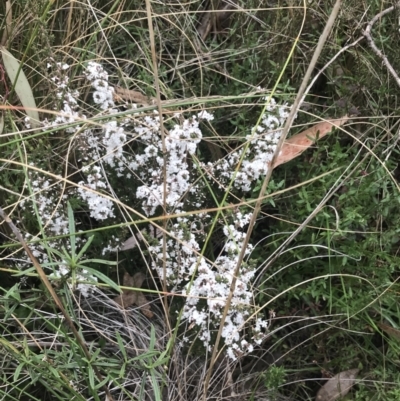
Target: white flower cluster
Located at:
point(54, 220)
point(103, 94)
point(51, 212)
point(213, 283)
point(183, 249)
point(101, 208)
point(46, 197)
point(181, 142)
point(69, 113)
point(83, 275)
point(206, 295)
point(258, 155)
point(186, 270)
point(205, 284)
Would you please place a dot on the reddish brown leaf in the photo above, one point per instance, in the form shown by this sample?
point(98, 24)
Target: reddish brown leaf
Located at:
point(297, 144)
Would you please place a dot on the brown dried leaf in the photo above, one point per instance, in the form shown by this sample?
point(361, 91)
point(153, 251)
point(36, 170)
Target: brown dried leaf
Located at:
point(121, 94)
point(134, 297)
point(338, 386)
point(204, 26)
point(390, 330)
point(144, 306)
point(297, 144)
point(219, 17)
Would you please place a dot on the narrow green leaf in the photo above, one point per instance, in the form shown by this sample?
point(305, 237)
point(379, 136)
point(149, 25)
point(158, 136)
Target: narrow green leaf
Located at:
point(121, 345)
point(94, 355)
point(155, 386)
point(67, 256)
point(91, 377)
point(18, 371)
point(13, 292)
point(58, 253)
point(152, 338)
point(158, 362)
point(144, 357)
point(102, 383)
point(101, 261)
point(85, 247)
point(71, 224)
point(54, 371)
point(122, 370)
point(103, 278)
point(21, 85)
point(25, 272)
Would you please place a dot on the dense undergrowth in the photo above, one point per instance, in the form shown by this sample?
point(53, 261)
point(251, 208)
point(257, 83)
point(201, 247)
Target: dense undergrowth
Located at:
point(144, 171)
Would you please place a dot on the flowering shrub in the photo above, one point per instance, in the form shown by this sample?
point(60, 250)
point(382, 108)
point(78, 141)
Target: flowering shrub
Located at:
point(256, 157)
point(132, 148)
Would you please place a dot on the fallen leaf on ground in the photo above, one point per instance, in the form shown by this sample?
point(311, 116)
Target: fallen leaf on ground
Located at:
point(134, 297)
point(338, 386)
point(389, 330)
point(297, 144)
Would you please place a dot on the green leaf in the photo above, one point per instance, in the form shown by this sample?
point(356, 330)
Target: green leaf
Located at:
point(21, 85)
point(54, 371)
point(152, 338)
point(155, 386)
point(121, 373)
point(18, 371)
point(85, 247)
point(102, 383)
point(91, 377)
point(25, 272)
point(67, 256)
point(94, 355)
point(58, 253)
point(159, 362)
point(101, 261)
point(103, 278)
point(14, 293)
point(121, 345)
point(71, 224)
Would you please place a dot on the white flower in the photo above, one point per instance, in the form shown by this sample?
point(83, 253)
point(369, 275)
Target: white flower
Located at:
point(169, 177)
